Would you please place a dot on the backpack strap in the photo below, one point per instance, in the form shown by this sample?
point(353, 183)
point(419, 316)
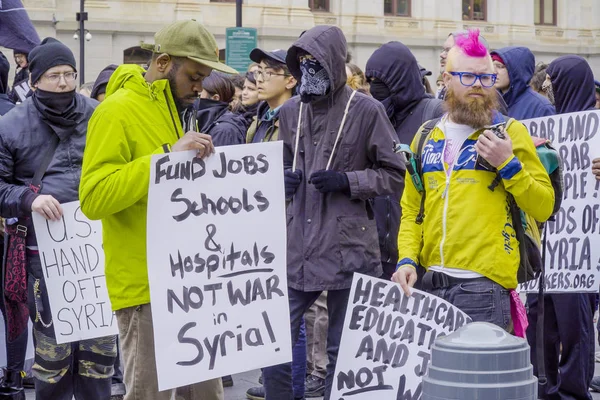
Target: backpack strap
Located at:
point(423, 133)
point(429, 112)
point(539, 331)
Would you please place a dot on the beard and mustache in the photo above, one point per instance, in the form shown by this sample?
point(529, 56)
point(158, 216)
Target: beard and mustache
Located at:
point(476, 112)
point(180, 102)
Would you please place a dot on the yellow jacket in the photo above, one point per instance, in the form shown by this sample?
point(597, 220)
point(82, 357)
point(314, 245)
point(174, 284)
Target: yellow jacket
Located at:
point(467, 225)
point(136, 120)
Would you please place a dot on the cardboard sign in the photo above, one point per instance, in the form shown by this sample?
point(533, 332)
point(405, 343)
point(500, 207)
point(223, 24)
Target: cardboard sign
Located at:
point(72, 260)
point(387, 339)
point(217, 263)
point(573, 239)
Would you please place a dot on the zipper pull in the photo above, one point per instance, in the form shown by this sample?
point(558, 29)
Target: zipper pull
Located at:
point(445, 193)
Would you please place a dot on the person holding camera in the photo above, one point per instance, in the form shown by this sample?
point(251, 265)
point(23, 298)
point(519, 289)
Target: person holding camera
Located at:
point(463, 233)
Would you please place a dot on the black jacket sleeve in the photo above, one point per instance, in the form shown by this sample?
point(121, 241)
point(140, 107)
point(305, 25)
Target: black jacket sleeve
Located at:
point(15, 200)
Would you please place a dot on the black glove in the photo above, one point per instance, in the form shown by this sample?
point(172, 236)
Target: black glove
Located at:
point(291, 181)
point(330, 181)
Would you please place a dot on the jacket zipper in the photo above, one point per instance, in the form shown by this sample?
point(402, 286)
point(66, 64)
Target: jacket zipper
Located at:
point(388, 228)
point(445, 196)
point(171, 114)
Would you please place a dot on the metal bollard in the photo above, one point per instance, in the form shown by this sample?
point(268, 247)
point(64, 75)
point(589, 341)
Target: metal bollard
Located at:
point(480, 361)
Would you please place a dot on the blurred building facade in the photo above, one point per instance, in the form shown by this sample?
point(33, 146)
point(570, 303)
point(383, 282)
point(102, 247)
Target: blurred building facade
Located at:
point(549, 27)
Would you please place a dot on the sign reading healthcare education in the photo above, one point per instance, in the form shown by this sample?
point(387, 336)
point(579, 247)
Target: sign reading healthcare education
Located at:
point(72, 261)
point(239, 44)
point(217, 263)
point(387, 339)
point(573, 238)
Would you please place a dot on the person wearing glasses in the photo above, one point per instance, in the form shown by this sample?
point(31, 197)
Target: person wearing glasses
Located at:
point(448, 45)
point(21, 87)
point(466, 240)
point(275, 86)
point(53, 122)
point(514, 67)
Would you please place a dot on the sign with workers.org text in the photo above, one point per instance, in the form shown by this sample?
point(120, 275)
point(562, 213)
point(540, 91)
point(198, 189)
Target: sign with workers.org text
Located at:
point(573, 238)
point(217, 263)
point(72, 261)
point(387, 339)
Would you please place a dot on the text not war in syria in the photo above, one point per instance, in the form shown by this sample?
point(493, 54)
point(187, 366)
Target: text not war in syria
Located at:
point(218, 279)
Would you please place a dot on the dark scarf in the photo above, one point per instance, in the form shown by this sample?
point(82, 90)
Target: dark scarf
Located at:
point(58, 110)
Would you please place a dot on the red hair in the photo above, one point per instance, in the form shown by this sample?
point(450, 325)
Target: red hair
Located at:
point(471, 45)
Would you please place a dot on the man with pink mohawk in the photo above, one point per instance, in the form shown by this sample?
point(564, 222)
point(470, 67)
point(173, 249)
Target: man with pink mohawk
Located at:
point(456, 221)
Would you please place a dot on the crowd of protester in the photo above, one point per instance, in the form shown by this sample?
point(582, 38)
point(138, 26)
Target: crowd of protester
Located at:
point(355, 208)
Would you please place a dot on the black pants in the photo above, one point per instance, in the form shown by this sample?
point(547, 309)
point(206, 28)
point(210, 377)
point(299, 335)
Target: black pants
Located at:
point(568, 321)
point(278, 378)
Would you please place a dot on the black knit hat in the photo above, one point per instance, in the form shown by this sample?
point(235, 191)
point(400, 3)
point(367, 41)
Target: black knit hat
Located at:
point(50, 53)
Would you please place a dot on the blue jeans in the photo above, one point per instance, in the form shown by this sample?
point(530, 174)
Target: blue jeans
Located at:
point(299, 363)
point(481, 299)
point(278, 378)
point(117, 386)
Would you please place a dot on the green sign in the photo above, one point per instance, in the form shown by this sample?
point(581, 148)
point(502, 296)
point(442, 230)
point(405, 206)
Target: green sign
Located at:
point(240, 42)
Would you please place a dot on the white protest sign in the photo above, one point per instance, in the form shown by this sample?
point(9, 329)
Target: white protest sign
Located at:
point(573, 239)
point(217, 263)
point(72, 260)
point(22, 89)
point(387, 339)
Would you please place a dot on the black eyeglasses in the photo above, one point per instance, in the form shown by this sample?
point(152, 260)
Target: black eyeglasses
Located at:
point(265, 75)
point(469, 78)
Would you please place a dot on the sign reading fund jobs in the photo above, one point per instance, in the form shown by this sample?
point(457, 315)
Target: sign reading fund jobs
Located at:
point(387, 338)
point(72, 261)
point(217, 263)
point(573, 238)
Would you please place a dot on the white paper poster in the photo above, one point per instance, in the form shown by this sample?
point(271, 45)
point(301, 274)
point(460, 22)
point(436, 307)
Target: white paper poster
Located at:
point(573, 239)
point(217, 263)
point(387, 339)
point(72, 261)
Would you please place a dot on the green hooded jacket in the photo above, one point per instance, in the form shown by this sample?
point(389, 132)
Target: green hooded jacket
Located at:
point(136, 120)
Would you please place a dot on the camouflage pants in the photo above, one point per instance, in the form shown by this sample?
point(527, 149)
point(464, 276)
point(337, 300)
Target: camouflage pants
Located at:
point(81, 369)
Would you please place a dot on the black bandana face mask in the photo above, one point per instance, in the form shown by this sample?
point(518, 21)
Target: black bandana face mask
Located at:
point(55, 103)
point(315, 81)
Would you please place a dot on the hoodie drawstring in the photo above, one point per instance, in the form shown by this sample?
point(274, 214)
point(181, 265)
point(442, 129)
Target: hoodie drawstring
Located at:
point(337, 138)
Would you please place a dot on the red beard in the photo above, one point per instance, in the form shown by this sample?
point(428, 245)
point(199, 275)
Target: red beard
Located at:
point(475, 112)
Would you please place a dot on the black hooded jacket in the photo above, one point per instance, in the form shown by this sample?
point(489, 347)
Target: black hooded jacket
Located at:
point(214, 118)
point(522, 101)
point(408, 107)
point(102, 81)
point(5, 104)
point(572, 84)
point(333, 235)
point(395, 65)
